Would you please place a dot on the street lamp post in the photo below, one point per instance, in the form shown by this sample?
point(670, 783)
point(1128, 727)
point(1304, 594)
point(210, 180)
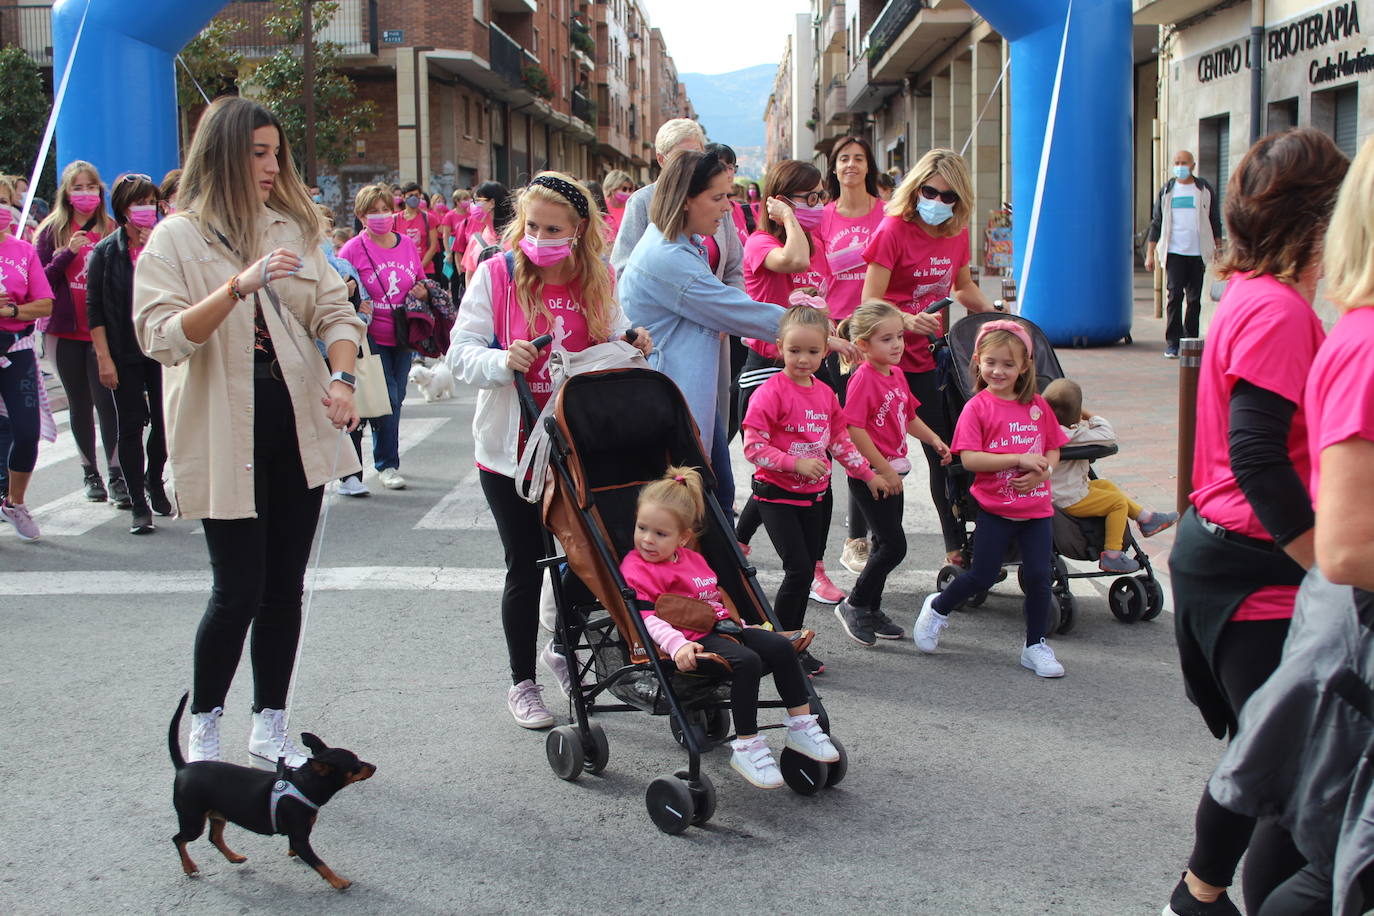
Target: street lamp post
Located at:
point(308, 38)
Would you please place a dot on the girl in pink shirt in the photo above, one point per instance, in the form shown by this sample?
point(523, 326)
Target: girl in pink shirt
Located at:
point(1009, 438)
point(793, 426)
point(669, 512)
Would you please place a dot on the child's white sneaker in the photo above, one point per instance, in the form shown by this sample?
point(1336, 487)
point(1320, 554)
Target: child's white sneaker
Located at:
point(804, 735)
point(754, 761)
point(929, 623)
point(1040, 659)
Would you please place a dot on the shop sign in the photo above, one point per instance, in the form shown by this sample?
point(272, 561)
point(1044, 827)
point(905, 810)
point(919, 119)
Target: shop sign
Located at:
point(1308, 33)
point(393, 36)
point(1344, 65)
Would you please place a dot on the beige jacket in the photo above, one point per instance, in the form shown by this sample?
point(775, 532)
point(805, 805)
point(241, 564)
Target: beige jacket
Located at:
point(208, 388)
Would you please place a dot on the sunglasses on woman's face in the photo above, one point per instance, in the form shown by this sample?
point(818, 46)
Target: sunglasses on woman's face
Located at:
point(813, 199)
point(946, 197)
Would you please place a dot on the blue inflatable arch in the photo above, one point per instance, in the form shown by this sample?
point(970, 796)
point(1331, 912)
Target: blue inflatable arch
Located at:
point(1071, 134)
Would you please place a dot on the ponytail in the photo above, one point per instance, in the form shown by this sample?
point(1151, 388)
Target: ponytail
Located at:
point(681, 492)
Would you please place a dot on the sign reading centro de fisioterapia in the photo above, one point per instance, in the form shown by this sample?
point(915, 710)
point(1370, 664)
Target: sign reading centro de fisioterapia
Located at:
point(1309, 33)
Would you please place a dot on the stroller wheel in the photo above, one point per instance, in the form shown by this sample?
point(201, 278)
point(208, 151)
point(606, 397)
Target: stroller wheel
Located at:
point(976, 600)
point(598, 749)
point(1067, 613)
point(670, 804)
point(1127, 599)
point(564, 749)
point(718, 725)
point(1154, 598)
point(695, 721)
point(946, 575)
point(840, 768)
point(802, 774)
point(703, 795)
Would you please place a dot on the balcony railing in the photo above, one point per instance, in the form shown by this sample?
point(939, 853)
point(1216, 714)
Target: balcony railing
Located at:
point(583, 107)
point(832, 27)
point(507, 57)
point(30, 27)
point(353, 27)
point(896, 15)
point(837, 101)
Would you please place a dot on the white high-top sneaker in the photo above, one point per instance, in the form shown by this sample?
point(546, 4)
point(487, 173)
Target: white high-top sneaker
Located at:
point(205, 736)
point(270, 741)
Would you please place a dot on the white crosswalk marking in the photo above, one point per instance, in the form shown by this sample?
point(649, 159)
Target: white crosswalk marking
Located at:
point(463, 508)
point(414, 430)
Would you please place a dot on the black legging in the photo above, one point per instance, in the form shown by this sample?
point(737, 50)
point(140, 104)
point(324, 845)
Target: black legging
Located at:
point(762, 652)
point(798, 535)
point(86, 400)
point(884, 518)
point(138, 402)
point(926, 388)
point(522, 538)
point(19, 391)
point(259, 565)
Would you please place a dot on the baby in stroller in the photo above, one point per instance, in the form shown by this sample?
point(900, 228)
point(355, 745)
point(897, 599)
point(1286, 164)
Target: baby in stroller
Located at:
point(1077, 494)
point(668, 513)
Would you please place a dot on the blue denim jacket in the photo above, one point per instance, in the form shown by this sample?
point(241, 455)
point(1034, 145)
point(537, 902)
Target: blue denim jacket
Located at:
point(667, 288)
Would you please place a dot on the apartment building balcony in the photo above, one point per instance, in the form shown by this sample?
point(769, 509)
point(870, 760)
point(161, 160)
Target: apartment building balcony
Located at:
point(353, 27)
point(583, 108)
point(496, 64)
point(835, 102)
point(863, 92)
point(28, 26)
point(832, 27)
point(513, 6)
point(908, 36)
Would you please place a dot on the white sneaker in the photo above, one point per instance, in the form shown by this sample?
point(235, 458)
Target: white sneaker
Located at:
point(526, 702)
point(754, 761)
point(353, 486)
point(926, 631)
point(558, 664)
point(205, 736)
point(18, 516)
point(804, 735)
point(1040, 659)
point(392, 479)
point(854, 556)
point(270, 741)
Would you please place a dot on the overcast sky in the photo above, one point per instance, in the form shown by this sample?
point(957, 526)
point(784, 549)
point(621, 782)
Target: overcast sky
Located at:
point(718, 36)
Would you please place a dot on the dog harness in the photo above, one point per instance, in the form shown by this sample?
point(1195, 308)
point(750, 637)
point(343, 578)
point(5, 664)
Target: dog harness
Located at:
point(284, 789)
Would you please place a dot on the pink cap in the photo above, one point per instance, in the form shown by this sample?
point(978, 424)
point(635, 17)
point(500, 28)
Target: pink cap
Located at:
point(1010, 326)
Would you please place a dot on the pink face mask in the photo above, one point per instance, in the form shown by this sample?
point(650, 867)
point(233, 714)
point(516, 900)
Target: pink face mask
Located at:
point(476, 209)
point(847, 260)
point(84, 203)
point(379, 222)
point(144, 216)
point(546, 252)
point(6, 217)
point(397, 201)
point(809, 217)
point(753, 194)
point(620, 198)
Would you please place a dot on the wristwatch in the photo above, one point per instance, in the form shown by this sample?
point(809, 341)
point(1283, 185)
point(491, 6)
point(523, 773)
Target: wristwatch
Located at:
point(14, 310)
point(345, 377)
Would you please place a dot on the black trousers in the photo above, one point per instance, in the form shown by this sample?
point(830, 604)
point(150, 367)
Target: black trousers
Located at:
point(926, 389)
point(259, 565)
point(1183, 275)
point(990, 541)
point(762, 652)
point(87, 400)
point(522, 539)
point(887, 545)
point(138, 403)
point(19, 392)
point(798, 535)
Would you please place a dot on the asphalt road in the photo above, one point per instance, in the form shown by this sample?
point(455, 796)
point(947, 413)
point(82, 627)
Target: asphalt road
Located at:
point(974, 787)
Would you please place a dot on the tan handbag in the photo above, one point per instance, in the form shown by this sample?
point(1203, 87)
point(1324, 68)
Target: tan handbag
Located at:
point(370, 397)
point(689, 613)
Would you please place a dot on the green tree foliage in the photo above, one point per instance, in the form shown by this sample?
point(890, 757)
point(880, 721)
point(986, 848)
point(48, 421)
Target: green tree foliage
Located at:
point(212, 63)
point(24, 109)
point(340, 117)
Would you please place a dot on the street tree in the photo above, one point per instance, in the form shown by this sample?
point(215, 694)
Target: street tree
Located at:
point(209, 62)
point(24, 109)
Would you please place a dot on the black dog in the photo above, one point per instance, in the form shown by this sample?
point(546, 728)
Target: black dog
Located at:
point(258, 800)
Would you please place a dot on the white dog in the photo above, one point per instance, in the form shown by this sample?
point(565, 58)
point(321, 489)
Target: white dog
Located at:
point(435, 382)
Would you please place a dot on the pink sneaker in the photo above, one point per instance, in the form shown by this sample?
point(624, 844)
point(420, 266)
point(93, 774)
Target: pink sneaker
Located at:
point(823, 590)
point(19, 517)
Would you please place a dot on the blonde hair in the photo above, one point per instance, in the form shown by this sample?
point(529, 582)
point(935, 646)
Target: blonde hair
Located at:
point(950, 166)
point(7, 184)
point(613, 180)
point(367, 199)
point(590, 280)
point(461, 196)
point(681, 492)
point(1065, 397)
point(1025, 382)
point(1348, 260)
point(864, 321)
point(676, 132)
point(803, 316)
point(218, 192)
point(63, 220)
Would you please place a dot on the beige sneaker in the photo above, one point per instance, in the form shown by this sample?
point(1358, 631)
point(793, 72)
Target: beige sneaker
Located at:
point(392, 479)
point(854, 557)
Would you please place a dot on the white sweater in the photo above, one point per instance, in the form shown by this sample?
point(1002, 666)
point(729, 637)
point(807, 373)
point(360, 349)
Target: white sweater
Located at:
point(1069, 482)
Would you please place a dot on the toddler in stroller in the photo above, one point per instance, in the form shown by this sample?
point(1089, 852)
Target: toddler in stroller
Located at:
point(663, 570)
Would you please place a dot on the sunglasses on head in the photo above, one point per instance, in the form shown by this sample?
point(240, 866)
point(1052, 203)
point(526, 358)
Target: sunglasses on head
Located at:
point(946, 197)
point(135, 176)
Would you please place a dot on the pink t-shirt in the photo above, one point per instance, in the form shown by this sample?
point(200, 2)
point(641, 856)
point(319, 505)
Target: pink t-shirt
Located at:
point(22, 276)
point(1340, 389)
point(389, 274)
point(764, 285)
point(455, 221)
point(712, 252)
point(741, 226)
point(844, 241)
point(786, 422)
point(472, 248)
point(76, 284)
point(1001, 427)
point(687, 574)
point(1265, 333)
point(924, 268)
point(415, 229)
point(614, 215)
point(882, 405)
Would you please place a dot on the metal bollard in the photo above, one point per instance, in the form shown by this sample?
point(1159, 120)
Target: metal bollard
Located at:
point(1189, 368)
point(1009, 294)
point(975, 274)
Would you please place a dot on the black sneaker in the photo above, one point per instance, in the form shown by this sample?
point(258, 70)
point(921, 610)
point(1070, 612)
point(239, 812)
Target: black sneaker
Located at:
point(883, 627)
point(856, 623)
point(142, 522)
point(812, 665)
point(157, 498)
point(1183, 903)
point(119, 492)
point(95, 487)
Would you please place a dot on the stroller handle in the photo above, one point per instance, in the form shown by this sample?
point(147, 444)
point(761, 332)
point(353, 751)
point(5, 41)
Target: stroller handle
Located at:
point(529, 411)
point(938, 306)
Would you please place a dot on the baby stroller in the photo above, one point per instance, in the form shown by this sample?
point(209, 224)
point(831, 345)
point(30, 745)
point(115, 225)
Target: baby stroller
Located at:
point(1137, 596)
point(610, 433)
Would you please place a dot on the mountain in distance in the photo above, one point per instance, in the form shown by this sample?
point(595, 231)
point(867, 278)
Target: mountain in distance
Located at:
point(730, 105)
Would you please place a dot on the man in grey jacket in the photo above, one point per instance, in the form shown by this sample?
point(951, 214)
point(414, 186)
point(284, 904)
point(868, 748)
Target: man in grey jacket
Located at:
point(1184, 229)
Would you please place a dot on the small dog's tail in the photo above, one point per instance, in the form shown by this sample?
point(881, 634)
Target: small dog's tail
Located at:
point(174, 734)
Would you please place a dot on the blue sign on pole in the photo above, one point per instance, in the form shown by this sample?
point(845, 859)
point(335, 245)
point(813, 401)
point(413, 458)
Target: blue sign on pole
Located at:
point(393, 36)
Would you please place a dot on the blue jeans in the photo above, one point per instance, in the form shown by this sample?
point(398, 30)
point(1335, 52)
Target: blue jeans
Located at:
point(725, 476)
point(386, 430)
point(990, 541)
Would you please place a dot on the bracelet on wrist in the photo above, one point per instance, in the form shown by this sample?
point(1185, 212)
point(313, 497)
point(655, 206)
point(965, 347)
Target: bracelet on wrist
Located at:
point(235, 293)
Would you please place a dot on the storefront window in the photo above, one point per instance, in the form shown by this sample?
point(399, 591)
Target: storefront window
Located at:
point(1282, 115)
point(1214, 154)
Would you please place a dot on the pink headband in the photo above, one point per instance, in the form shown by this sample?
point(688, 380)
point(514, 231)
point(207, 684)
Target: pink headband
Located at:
point(1011, 327)
point(797, 297)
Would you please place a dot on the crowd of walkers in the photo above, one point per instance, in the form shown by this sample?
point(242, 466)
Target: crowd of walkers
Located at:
point(217, 319)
